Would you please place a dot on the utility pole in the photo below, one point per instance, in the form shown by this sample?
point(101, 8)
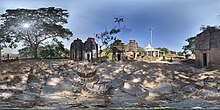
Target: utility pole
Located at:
point(0, 53)
point(151, 33)
point(0, 50)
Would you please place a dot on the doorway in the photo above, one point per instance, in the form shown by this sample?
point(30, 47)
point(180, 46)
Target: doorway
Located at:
point(204, 59)
point(119, 57)
point(88, 57)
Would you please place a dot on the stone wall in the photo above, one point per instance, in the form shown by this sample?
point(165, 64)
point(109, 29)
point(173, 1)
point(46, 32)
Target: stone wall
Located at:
point(84, 51)
point(76, 50)
point(117, 50)
point(132, 50)
point(208, 42)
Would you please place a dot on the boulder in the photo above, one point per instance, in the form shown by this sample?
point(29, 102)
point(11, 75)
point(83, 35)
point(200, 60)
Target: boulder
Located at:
point(190, 88)
point(200, 83)
point(164, 88)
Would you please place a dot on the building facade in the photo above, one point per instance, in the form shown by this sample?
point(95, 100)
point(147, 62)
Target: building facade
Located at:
point(132, 50)
point(150, 51)
point(84, 51)
point(118, 50)
point(207, 47)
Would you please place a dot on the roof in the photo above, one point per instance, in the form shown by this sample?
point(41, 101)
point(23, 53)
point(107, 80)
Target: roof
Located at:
point(150, 48)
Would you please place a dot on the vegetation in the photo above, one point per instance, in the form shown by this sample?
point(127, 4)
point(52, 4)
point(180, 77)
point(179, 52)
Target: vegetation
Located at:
point(108, 36)
point(141, 49)
point(34, 27)
point(190, 47)
point(167, 51)
point(54, 50)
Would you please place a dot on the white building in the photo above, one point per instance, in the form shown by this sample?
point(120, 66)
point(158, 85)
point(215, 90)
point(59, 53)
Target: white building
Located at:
point(150, 51)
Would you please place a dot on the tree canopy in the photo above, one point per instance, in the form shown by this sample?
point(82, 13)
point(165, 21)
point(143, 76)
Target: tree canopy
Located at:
point(190, 47)
point(107, 37)
point(167, 51)
point(141, 49)
point(50, 50)
point(34, 26)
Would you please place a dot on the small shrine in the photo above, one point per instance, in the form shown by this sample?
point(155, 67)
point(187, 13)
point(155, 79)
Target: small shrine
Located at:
point(150, 51)
point(132, 50)
point(118, 50)
point(84, 51)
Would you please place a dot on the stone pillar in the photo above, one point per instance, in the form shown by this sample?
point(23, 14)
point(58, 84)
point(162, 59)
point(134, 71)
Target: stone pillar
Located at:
point(158, 53)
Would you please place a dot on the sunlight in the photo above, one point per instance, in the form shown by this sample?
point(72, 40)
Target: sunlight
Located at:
point(136, 80)
point(26, 25)
point(127, 85)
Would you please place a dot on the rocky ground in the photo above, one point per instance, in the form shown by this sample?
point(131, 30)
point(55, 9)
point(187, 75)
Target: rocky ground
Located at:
point(134, 84)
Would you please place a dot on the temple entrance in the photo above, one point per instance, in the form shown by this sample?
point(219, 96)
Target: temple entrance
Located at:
point(88, 57)
point(204, 59)
point(119, 57)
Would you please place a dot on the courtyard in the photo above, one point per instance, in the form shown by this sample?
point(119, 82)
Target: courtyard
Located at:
point(134, 84)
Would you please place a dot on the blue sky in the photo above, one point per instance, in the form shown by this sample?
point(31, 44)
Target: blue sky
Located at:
point(173, 20)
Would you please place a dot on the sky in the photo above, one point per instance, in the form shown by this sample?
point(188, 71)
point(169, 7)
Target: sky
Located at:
point(173, 20)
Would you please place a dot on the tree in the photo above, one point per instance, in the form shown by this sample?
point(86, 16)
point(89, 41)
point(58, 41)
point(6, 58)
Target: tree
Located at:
point(180, 53)
point(4, 40)
point(190, 47)
point(141, 49)
point(203, 27)
point(35, 26)
point(173, 52)
point(107, 37)
point(25, 52)
point(167, 51)
point(54, 50)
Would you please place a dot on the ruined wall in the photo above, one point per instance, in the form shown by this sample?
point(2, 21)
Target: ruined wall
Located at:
point(76, 50)
point(84, 51)
point(132, 50)
point(117, 50)
point(215, 48)
point(208, 42)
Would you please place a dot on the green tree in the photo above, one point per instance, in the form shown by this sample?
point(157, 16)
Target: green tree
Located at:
point(4, 40)
point(190, 47)
point(141, 49)
point(107, 51)
point(25, 52)
point(203, 27)
point(35, 26)
point(173, 52)
point(167, 51)
point(180, 53)
point(54, 50)
point(108, 36)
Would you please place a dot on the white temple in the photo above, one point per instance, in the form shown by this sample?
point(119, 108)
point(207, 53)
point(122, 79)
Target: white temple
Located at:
point(153, 52)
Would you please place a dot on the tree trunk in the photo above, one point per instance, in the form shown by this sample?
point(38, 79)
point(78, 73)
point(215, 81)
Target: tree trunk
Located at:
point(35, 49)
point(0, 55)
point(100, 55)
